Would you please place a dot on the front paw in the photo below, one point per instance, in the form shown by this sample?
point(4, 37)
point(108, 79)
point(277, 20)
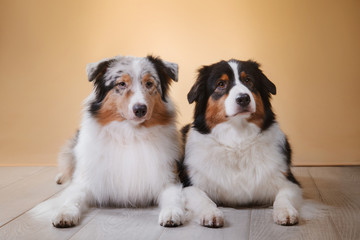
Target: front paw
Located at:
point(212, 218)
point(60, 178)
point(171, 217)
point(286, 216)
point(67, 217)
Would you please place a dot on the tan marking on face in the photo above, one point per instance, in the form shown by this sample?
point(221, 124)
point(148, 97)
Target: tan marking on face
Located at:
point(158, 112)
point(258, 116)
point(148, 78)
point(243, 75)
point(215, 111)
point(115, 105)
point(224, 77)
point(126, 79)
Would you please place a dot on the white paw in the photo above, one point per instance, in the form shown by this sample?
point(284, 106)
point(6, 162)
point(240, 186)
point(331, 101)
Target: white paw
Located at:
point(67, 217)
point(286, 216)
point(59, 178)
point(212, 217)
point(171, 217)
point(62, 178)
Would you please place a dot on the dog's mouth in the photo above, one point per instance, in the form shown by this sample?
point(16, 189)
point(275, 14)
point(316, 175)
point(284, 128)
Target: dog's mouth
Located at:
point(138, 120)
point(246, 112)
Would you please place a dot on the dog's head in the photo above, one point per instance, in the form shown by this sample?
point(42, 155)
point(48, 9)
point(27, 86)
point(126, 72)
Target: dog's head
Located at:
point(133, 89)
point(229, 89)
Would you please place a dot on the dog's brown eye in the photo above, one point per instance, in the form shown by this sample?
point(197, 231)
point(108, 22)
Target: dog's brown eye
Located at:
point(248, 82)
point(221, 84)
point(122, 84)
point(149, 84)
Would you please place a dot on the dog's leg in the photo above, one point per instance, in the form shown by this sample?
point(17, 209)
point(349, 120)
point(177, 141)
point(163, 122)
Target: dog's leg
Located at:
point(75, 202)
point(172, 207)
point(203, 208)
point(287, 204)
point(66, 161)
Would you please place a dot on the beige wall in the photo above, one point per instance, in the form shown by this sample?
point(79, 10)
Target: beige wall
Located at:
point(309, 49)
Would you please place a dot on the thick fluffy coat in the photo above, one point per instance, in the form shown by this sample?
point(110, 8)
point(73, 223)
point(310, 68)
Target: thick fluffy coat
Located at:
point(126, 151)
point(235, 151)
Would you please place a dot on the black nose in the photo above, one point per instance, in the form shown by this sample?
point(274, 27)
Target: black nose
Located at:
point(243, 99)
point(139, 110)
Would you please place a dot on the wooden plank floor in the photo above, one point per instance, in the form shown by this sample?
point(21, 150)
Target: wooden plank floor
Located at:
point(22, 188)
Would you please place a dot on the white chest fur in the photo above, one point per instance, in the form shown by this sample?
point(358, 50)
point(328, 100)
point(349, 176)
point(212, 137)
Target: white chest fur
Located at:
point(123, 164)
point(236, 164)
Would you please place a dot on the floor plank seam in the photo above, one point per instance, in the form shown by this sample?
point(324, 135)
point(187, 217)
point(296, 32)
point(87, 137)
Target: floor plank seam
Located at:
point(317, 188)
point(162, 232)
point(250, 223)
point(30, 209)
point(24, 177)
point(82, 226)
point(14, 218)
point(338, 235)
point(336, 189)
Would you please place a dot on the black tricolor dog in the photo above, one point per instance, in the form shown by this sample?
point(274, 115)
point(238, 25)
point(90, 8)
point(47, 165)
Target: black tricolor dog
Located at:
point(235, 151)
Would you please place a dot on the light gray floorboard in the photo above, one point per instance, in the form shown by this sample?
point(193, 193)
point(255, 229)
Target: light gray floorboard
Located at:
point(236, 227)
point(337, 187)
point(124, 224)
point(340, 187)
point(19, 197)
point(9, 175)
point(320, 227)
point(28, 227)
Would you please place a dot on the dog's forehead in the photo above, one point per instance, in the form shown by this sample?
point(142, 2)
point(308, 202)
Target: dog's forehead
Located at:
point(236, 67)
point(136, 67)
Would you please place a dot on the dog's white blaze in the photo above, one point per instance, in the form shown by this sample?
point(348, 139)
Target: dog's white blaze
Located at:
point(234, 66)
point(231, 107)
point(137, 97)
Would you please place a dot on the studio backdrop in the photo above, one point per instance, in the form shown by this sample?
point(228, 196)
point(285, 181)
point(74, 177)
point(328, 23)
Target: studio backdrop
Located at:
point(309, 49)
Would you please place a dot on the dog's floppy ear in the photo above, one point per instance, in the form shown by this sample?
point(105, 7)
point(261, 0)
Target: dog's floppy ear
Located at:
point(199, 87)
point(270, 86)
point(172, 70)
point(267, 83)
point(94, 70)
point(166, 71)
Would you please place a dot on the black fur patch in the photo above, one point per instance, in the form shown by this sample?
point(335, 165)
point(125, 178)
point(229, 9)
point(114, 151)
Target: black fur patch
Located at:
point(262, 85)
point(183, 174)
point(286, 151)
point(165, 75)
point(184, 131)
point(205, 86)
point(101, 90)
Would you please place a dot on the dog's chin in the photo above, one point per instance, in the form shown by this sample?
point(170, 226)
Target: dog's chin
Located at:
point(136, 120)
point(243, 113)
